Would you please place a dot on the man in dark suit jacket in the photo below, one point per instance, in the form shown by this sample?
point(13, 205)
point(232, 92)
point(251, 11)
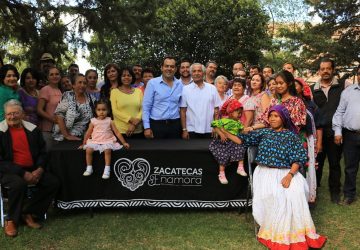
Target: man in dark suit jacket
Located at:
point(22, 163)
point(326, 95)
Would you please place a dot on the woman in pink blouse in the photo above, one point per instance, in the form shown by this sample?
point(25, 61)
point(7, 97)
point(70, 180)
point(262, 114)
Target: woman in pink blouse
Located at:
point(49, 97)
point(258, 101)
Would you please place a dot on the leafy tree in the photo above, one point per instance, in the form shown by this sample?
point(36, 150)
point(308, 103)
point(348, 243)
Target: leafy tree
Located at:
point(224, 31)
point(38, 26)
point(32, 30)
point(284, 15)
point(336, 36)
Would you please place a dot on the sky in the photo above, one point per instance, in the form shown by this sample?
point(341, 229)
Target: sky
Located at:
point(83, 63)
point(81, 55)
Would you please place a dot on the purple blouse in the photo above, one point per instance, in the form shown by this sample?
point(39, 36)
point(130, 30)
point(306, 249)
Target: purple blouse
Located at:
point(29, 104)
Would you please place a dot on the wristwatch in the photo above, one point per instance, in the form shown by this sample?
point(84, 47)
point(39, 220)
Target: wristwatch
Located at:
point(184, 129)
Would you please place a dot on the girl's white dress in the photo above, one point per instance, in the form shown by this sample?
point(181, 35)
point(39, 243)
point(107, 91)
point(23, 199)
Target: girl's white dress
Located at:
point(102, 137)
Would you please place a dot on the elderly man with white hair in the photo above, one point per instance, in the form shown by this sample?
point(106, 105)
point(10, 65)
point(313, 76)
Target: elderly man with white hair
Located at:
point(199, 106)
point(22, 163)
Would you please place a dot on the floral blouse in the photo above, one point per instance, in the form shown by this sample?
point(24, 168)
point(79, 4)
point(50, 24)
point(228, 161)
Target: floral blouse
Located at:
point(296, 108)
point(254, 103)
point(276, 149)
point(76, 115)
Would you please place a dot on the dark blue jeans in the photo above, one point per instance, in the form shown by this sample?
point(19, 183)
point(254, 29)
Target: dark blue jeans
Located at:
point(352, 158)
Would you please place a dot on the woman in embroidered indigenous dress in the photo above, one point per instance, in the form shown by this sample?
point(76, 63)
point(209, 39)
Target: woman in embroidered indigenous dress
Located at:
point(311, 134)
point(280, 192)
point(258, 101)
point(285, 95)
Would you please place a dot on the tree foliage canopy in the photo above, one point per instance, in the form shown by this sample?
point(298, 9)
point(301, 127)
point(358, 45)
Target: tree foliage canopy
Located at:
point(143, 31)
point(200, 30)
point(40, 26)
point(336, 36)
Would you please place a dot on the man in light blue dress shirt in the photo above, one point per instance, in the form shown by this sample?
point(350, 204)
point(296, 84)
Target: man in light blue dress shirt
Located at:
point(161, 103)
point(346, 124)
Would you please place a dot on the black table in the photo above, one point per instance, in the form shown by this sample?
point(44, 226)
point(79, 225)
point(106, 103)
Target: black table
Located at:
point(153, 173)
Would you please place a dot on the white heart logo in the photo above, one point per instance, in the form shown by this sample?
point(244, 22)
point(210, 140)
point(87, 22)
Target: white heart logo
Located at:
point(132, 174)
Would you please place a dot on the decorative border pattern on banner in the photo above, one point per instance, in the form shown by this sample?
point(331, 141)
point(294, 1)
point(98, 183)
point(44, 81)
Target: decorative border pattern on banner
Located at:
point(152, 203)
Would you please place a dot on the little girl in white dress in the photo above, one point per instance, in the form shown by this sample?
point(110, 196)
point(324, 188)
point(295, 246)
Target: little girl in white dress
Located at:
point(100, 137)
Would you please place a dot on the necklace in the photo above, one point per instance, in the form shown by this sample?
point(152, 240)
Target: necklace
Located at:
point(127, 91)
point(33, 93)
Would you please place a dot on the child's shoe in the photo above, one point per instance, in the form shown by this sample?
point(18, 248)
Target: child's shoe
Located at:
point(106, 174)
point(88, 171)
point(222, 178)
point(240, 170)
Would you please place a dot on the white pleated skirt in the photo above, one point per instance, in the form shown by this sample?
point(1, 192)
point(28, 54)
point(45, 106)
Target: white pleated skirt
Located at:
point(102, 147)
point(283, 213)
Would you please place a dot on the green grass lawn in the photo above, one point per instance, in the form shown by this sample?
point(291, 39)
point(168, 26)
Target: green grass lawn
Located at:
point(177, 229)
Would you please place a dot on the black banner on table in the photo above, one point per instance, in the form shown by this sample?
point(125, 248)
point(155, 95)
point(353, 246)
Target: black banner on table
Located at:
point(153, 173)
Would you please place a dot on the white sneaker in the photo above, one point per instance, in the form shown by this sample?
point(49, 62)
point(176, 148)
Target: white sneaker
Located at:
point(88, 172)
point(222, 179)
point(106, 175)
point(241, 171)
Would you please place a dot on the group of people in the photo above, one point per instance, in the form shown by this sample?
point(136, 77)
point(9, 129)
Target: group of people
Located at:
point(294, 125)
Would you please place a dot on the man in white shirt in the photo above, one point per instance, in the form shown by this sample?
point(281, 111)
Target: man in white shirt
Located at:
point(199, 106)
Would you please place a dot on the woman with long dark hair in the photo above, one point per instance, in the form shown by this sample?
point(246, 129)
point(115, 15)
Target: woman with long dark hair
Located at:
point(126, 104)
point(8, 86)
point(29, 94)
point(112, 78)
point(286, 95)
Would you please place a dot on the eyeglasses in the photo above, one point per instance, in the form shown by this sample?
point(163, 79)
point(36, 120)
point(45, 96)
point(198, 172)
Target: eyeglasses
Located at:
point(13, 114)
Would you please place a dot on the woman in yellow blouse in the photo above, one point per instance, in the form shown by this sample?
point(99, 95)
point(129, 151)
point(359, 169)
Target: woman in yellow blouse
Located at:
point(126, 104)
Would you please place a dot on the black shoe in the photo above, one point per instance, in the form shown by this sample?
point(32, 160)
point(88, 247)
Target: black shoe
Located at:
point(312, 205)
point(347, 201)
point(335, 198)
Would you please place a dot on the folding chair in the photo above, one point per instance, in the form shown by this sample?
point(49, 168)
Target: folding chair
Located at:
point(2, 207)
point(29, 192)
point(251, 153)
